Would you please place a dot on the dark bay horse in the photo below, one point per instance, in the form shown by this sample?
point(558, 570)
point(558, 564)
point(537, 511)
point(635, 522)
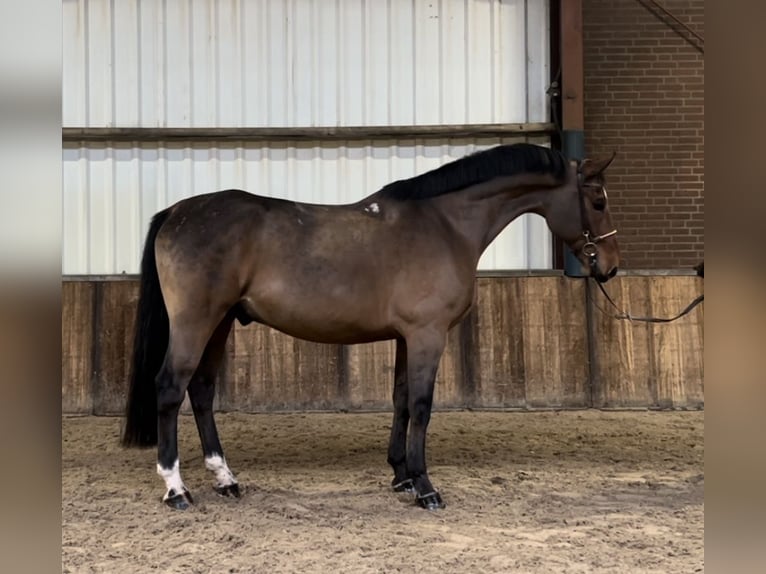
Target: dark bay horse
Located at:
point(399, 264)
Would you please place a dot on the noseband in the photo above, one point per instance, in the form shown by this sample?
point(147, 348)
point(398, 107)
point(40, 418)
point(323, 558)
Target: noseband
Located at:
point(589, 248)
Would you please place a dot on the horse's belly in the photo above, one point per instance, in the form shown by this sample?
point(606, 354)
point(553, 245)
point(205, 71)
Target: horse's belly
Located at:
point(339, 336)
point(320, 319)
point(329, 331)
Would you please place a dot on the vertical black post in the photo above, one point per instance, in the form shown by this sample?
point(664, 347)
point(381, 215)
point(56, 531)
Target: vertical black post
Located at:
point(594, 388)
point(573, 147)
point(572, 91)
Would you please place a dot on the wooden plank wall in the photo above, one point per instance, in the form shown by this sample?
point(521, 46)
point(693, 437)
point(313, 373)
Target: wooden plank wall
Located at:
point(77, 347)
point(650, 364)
point(525, 345)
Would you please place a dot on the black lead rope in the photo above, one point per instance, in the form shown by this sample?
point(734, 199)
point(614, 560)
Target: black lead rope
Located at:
point(623, 315)
point(590, 244)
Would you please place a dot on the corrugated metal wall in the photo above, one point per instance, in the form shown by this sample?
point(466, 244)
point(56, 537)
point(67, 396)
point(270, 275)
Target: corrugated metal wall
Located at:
point(112, 191)
point(217, 63)
point(284, 63)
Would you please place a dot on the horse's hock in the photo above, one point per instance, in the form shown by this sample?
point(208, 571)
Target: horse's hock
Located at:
point(524, 345)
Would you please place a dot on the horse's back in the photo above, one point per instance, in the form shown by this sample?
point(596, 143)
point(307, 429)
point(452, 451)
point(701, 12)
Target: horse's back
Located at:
point(266, 253)
point(329, 273)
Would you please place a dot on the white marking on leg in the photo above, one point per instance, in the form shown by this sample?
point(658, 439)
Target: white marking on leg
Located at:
point(218, 465)
point(172, 479)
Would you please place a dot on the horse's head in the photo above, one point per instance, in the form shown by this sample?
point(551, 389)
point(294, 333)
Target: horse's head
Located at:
point(579, 215)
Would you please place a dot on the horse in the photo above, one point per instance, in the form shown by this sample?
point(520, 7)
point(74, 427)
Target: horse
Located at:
point(398, 265)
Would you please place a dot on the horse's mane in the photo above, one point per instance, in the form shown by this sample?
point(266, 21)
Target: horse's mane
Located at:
point(502, 160)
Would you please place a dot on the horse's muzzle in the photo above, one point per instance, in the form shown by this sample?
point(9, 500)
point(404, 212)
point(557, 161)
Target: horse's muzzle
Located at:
point(601, 277)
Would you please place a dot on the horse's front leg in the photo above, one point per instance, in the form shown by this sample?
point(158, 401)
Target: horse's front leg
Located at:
point(424, 350)
point(397, 445)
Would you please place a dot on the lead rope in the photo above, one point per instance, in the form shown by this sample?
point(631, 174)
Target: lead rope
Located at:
point(590, 243)
point(622, 315)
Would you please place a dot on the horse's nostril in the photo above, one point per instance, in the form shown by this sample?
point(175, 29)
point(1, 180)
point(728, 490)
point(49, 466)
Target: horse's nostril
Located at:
point(613, 272)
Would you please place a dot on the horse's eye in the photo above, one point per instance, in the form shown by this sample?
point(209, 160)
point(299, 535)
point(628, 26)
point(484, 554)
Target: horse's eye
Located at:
point(599, 204)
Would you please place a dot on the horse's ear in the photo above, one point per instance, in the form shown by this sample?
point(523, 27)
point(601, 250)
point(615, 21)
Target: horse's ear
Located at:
point(594, 167)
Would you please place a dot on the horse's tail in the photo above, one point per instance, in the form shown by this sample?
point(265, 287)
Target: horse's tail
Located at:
point(149, 347)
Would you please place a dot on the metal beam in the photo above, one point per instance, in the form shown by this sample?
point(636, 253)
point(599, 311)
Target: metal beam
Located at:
point(339, 133)
point(572, 104)
point(573, 147)
point(572, 76)
point(699, 47)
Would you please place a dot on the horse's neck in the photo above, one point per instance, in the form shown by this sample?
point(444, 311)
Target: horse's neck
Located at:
point(481, 212)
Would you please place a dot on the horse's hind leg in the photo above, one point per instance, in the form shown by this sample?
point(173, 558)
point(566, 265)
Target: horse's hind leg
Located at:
point(201, 395)
point(187, 344)
point(397, 446)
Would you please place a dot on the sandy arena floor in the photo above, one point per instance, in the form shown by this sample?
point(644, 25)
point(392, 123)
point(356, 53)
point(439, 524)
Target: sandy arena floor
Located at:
point(540, 493)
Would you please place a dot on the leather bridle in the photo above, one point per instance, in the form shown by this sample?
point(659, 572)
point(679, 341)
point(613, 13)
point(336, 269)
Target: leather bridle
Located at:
point(589, 248)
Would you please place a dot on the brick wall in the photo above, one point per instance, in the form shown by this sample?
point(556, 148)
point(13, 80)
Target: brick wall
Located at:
point(644, 98)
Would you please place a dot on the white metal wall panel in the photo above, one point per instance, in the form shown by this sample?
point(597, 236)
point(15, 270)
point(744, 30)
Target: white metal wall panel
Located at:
point(111, 193)
point(282, 63)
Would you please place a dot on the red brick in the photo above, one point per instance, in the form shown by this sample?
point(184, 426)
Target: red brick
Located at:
point(644, 99)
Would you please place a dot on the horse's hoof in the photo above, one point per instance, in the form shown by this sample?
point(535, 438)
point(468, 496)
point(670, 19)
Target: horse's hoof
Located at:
point(179, 501)
point(405, 485)
point(431, 501)
point(231, 490)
